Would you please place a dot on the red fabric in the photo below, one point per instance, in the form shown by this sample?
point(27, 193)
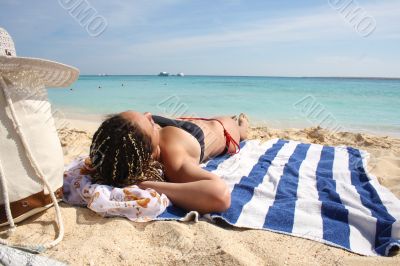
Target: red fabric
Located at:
point(228, 136)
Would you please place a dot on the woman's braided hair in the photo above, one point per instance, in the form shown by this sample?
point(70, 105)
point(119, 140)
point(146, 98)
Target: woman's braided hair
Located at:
point(120, 154)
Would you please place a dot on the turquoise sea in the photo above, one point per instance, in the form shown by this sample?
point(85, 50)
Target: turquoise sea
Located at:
point(339, 104)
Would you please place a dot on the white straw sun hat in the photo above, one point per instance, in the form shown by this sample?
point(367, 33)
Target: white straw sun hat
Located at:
point(51, 74)
point(31, 157)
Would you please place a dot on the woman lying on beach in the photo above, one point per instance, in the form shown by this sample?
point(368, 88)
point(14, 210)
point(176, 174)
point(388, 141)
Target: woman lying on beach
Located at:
point(132, 148)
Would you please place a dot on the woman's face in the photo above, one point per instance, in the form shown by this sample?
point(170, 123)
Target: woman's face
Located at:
point(147, 124)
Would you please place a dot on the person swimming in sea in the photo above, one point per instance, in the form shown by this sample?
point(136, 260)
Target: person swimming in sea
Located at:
point(132, 148)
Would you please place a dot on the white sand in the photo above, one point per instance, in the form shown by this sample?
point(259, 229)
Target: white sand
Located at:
point(92, 240)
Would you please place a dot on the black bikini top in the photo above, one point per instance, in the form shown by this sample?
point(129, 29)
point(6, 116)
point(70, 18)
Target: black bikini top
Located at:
point(189, 127)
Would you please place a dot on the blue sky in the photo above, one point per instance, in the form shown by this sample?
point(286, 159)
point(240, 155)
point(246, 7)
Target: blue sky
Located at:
point(218, 37)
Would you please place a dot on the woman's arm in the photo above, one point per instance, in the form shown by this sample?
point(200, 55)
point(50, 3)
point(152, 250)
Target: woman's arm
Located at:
point(195, 188)
point(204, 196)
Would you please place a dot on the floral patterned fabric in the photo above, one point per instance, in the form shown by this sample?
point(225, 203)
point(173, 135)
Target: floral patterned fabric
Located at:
point(131, 202)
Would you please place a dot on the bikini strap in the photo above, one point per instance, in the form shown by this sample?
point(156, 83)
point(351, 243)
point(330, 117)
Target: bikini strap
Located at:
point(228, 137)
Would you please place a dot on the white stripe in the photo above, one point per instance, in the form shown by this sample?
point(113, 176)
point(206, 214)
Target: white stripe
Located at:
point(254, 212)
point(389, 200)
point(361, 222)
point(308, 220)
point(392, 206)
point(233, 169)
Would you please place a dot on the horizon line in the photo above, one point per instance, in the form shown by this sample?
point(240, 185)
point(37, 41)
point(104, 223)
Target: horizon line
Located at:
point(259, 76)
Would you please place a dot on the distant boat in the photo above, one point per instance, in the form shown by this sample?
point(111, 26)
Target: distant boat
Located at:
point(180, 74)
point(163, 74)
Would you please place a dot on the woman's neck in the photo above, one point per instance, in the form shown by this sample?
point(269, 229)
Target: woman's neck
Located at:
point(157, 153)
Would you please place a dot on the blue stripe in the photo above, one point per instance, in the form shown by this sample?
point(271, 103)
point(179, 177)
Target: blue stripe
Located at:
point(243, 191)
point(370, 199)
point(172, 213)
point(335, 217)
point(280, 215)
point(213, 164)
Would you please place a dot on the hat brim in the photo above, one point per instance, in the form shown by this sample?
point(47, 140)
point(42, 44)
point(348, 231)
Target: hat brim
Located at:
point(51, 74)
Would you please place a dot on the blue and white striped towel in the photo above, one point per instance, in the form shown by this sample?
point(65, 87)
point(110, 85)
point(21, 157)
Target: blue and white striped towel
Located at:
point(312, 191)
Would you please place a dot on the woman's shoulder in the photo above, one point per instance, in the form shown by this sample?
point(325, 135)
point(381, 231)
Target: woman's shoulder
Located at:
point(177, 145)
